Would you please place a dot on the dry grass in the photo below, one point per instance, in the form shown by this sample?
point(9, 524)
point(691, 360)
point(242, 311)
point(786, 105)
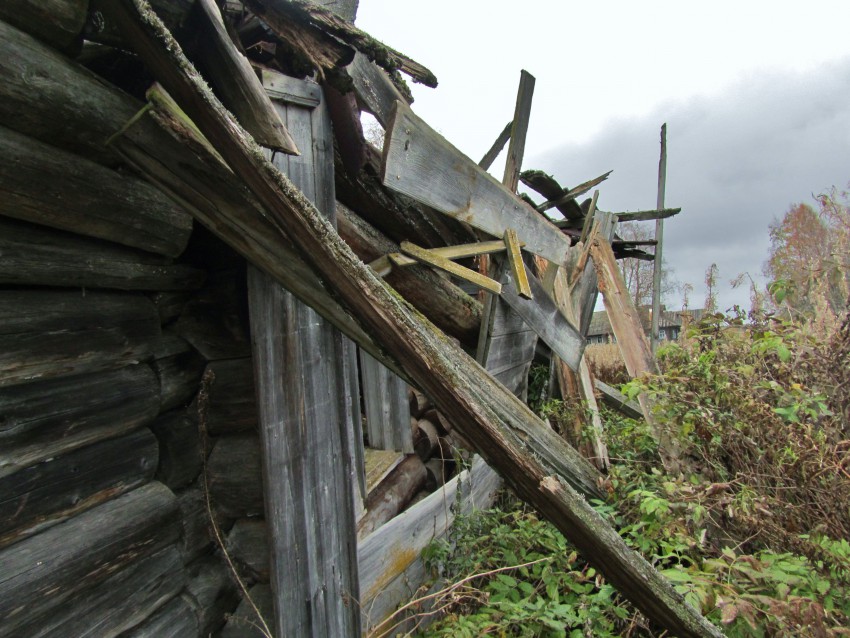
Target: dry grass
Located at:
point(606, 363)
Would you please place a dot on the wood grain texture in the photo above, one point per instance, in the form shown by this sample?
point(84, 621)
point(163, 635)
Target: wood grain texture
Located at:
point(123, 600)
point(495, 422)
point(248, 545)
point(387, 410)
point(235, 476)
point(305, 421)
point(46, 334)
point(519, 129)
point(51, 418)
point(211, 592)
point(392, 494)
point(46, 494)
point(425, 166)
point(375, 91)
point(175, 619)
point(35, 255)
point(44, 572)
point(235, 82)
point(56, 22)
point(43, 184)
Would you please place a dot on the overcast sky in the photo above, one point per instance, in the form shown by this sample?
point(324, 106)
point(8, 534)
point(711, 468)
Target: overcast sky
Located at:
point(756, 96)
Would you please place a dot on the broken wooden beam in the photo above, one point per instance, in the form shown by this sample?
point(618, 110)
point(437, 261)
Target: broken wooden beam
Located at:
point(420, 163)
point(235, 82)
point(516, 264)
point(503, 429)
point(519, 129)
point(491, 155)
point(375, 91)
point(620, 402)
point(571, 194)
point(447, 306)
point(647, 215)
point(551, 190)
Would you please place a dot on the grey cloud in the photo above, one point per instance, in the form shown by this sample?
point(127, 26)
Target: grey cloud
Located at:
point(737, 161)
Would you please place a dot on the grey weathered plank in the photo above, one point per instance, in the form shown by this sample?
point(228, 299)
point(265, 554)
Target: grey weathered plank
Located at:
point(48, 186)
point(585, 290)
point(41, 256)
point(46, 494)
point(375, 91)
point(391, 549)
point(386, 406)
point(305, 423)
point(46, 334)
point(46, 419)
point(423, 165)
point(615, 399)
point(235, 82)
point(175, 619)
point(519, 129)
point(42, 573)
point(646, 215)
point(491, 155)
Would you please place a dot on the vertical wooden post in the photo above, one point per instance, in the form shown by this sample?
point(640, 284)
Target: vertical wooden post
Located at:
point(659, 240)
point(306, 412)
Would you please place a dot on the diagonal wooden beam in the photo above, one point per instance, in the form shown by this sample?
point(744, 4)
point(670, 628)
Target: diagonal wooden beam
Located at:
point(508, 436)
point(571, 194)
point(432, 259)
point(421, 164)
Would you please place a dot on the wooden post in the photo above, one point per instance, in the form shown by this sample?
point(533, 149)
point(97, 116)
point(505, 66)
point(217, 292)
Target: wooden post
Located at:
point(659, 239)
point(305, 415)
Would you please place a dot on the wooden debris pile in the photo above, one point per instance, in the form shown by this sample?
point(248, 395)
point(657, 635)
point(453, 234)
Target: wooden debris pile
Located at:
point(178, 202)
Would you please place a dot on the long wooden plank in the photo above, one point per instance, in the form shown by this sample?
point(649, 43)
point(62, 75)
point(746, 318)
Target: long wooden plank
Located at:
point(507, 434)
point(422, 164)
point(383, 265)
point(491, 155)
point(387, 409)
point(433, 259)
point(519, 129)
point(304, 423)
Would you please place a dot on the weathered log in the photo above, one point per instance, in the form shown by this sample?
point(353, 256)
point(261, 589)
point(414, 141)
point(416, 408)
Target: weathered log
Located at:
point(419, 403)
point(499, 426)
point(49, 186)
point(394, 492)
point(43, 495)
point(195, 538)
point(179, 375)
point(439, 473)
point(425, 439)
point(243, 623)
point(235, 479)
point(215, 322)
point(232, 397)
point(99, 28)
point(179, 449)
point(121, 601)
point(46, 334)
point(248, 546)
point(299, 20)
point(39, 256)
point(211, 592)
point(40, 574)
point(56, 22)
point(446, 305)
point(175, 619)
point(234, 81)
point(51, 418)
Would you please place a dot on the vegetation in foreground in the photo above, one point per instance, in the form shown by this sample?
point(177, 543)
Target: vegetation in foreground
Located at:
point(755, 534)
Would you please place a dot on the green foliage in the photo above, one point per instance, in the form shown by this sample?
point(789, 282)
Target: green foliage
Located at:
point(755, 534)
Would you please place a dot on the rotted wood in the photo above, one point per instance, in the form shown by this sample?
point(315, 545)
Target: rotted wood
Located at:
point(451, 309)
point(386, 408)
point(179, 449)
point(394, 492)
point(485, 412)
point(211, 592)
point(234, 80)
point(56, 22)
point(52, 418)
point(46, 494)
point(248, 545)
point(232, 396)
point(571, 194)
point(42, 574)
point(375, 91)
point(285, 18)
point(48, 334)
point(48, 186)
point(234, 470)
point(175, 619)
point(35, 255)
point(418, 162)
point(118, 603)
